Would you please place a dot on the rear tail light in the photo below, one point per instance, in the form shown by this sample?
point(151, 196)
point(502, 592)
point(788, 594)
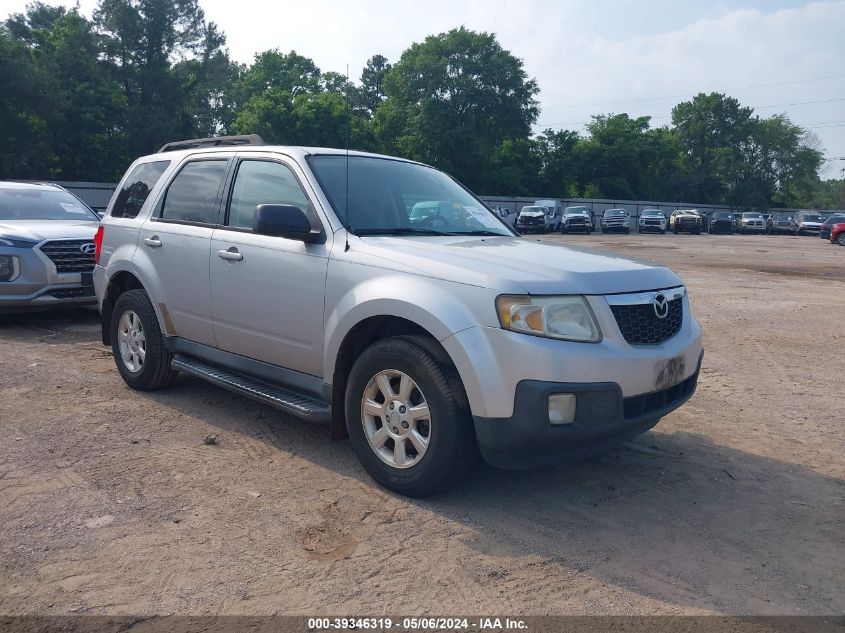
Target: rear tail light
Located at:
point(98, 244)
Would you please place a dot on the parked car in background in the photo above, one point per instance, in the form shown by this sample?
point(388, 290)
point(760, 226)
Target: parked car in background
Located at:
point(554, 211)
point(781, 226)
point(827, 225)
point(688, 220)
point(46, 247)
point(806, 222)
point(652, 221)
point(295, 276)
point(618, 220)
point(751, 222)
point(837, 234)
point(721, 223)
point(577, 220)
point(533, 219)
point(507, 216)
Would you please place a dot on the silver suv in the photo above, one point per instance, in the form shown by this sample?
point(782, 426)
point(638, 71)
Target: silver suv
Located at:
point(300, 277)
point(46, 247)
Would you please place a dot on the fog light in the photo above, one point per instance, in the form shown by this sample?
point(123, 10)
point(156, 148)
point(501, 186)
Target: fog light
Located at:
point(562, 408)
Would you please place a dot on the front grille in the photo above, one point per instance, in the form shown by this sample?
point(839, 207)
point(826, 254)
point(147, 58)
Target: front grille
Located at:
point(637, 406)
point(73, 293)
point(687, 220)
point(68, 257)
point(640, 325)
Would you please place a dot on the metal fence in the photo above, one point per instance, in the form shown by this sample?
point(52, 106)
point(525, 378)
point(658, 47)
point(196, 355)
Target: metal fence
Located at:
point(97, 195)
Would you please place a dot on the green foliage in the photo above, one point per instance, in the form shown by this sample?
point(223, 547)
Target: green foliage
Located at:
point(453, 100)
point(83, 97)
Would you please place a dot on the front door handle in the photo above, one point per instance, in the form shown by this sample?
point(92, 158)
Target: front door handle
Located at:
point(153, 241)
point(230, 255)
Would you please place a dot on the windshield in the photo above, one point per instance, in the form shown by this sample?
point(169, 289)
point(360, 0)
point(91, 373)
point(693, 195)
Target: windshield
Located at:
point(724, 216)
point(394, 197)
point(533, 209)
point(42, 204)
point(752, 215)
point(576, 211)
point(652, 212)
point(615, 212)
point(812, 218)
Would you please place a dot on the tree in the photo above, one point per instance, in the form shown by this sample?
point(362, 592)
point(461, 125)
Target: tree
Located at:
point(143, 38)
point(372, 82)
point(557, 169)
point(78, 101)
point(453, 100)
point(712, 130)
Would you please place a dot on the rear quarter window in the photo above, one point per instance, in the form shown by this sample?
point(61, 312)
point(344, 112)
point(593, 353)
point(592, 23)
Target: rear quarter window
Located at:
point(136, 189)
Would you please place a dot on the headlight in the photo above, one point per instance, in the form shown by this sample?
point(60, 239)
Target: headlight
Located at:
point(568, 318)
point(16, 243)
point(9, 268)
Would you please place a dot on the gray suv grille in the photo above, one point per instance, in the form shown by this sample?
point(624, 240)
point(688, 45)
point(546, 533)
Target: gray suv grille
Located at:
point(68, 257)
point(640, 325)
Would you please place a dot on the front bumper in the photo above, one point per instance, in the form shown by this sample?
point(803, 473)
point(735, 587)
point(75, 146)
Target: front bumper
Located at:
point(603, 418)
point(652, 228)
point(39, 285)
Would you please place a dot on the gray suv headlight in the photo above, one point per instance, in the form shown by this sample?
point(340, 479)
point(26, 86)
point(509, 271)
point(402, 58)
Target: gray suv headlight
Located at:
point(568, 318)
point(9, 268)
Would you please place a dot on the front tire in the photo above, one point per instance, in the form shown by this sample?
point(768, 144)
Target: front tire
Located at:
point(138, 345)
point(840, 239)
point(407, 417)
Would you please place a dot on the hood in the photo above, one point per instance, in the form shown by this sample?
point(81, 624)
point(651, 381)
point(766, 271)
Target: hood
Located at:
point(39, 230)
point(514, 264)
point(532, 214)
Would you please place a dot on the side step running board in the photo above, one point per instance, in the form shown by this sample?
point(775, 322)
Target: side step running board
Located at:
point(302, 406)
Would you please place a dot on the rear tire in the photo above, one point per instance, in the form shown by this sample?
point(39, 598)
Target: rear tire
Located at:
point(138, 345)
point(437, 448)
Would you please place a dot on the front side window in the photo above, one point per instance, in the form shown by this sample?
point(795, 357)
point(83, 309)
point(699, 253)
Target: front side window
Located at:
point(136, 188)
point(386, 196)
point(263, 182)
point(193, 194)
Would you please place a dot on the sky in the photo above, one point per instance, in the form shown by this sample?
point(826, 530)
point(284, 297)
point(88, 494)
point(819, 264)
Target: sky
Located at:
point(588, 56)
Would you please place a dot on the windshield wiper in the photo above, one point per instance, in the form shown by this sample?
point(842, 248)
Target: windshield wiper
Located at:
point(477, 232)
point(398, 230)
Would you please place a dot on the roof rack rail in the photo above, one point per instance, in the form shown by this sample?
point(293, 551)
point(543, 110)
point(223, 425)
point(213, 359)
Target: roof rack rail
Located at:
point(214, 141)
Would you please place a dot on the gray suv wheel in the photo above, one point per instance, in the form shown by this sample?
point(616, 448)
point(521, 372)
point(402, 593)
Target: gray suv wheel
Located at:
point(137, 343)
point(407, 416)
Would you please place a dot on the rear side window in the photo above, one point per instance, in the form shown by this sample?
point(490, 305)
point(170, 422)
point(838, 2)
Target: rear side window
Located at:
point(136, 189)
point(263, 182)
point(193, 194)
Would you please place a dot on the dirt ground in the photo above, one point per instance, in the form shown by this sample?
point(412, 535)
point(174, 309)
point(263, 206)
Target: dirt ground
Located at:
point(111, 503)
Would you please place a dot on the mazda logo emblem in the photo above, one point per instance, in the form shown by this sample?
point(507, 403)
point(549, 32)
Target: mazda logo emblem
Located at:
point(661, 305)
point(88, 249)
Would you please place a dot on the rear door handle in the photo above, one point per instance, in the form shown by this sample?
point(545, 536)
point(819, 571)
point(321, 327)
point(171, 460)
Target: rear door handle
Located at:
point(153, 241)
point(230, 255)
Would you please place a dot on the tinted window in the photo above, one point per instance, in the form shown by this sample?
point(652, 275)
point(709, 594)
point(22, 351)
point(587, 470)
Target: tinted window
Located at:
point(263, 182)
point(36, 203)
point(136, 189)
point(192, 196)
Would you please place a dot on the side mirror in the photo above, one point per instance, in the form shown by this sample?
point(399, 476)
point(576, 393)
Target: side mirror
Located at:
point(284, 220)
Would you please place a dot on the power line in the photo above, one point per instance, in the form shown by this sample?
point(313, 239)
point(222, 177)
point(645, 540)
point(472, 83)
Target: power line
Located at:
point(770, 85)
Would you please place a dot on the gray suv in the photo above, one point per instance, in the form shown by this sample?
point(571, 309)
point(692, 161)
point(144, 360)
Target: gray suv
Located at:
point(303, 278)
point(46, 247)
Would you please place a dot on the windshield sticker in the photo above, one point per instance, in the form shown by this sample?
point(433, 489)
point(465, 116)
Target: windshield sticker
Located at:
point(483, 217)
point(73, 208)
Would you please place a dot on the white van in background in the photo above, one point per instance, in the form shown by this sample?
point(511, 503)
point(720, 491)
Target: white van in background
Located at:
point(554, 211)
